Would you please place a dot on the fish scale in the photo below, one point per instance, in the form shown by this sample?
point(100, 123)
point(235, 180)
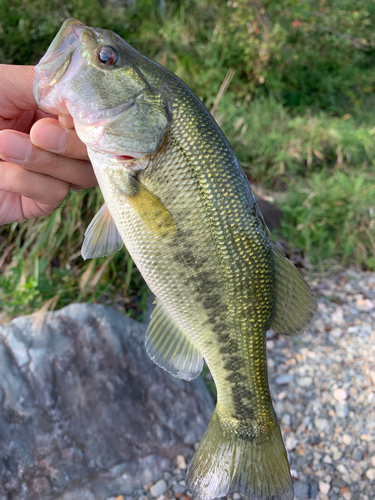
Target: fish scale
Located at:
point(242, 258)
point(186, 213)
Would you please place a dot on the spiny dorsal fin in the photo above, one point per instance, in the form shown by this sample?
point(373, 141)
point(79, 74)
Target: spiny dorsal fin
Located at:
point(169, 347)
point(295, 304)
point(101, 237)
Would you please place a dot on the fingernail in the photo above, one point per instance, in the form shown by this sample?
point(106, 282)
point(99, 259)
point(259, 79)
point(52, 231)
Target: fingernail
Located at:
point(14, 146)
point(49, 136)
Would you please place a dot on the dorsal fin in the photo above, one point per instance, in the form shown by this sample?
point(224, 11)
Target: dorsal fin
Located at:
point(295, 304)
point(101, 237)
point(169, 347)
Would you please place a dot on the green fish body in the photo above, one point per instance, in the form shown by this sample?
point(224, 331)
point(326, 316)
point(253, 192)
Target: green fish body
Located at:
point(177, 197)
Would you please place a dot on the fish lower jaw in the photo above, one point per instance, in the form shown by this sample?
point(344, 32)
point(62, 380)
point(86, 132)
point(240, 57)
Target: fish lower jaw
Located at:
point(131, 161)
point(45, 98)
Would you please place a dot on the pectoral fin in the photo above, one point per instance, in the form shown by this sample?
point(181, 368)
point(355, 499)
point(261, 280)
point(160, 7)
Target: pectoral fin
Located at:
point(295, 304)
point(169, 347)
point(149, 207)
point(101, 237)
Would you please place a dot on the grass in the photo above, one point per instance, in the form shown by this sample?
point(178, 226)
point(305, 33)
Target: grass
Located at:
point(321, 161)
point(41, 264)
point(276, 146)
point(332, 217)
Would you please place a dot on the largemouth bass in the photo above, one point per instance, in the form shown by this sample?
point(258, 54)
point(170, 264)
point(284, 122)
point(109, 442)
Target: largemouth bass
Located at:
point(176, 195)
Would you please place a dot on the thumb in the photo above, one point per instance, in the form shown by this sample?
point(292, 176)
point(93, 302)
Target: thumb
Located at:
point(16, 90)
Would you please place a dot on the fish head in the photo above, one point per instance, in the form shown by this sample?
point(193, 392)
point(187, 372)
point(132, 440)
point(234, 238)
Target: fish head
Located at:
point(93, 74)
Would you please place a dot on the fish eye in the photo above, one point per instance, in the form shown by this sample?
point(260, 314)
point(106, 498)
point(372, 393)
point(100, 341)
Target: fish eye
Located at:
point(107, 55)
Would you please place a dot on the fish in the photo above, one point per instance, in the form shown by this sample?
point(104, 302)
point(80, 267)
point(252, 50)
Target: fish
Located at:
point(176, 196)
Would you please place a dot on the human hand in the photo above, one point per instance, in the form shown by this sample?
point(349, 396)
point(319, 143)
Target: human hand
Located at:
point(42, 156)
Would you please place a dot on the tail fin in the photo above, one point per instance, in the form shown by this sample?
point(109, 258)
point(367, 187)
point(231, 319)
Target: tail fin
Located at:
point(225, 462)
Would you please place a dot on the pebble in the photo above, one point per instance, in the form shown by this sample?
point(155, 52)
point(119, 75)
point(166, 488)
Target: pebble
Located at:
point(336, 332)
point(291, 443)
point(180, 461)
point(342, 469)
point(158, 488)
point(324, 487)
point(364, 304)
point(314, 490)
point(179, 488)
point(342, 410)
point(322, 424)
point(340, 394)
point(338, 316)
point(284, 379)
point(286, 419)
point(301, 490)
point(305, 381)
point(338, 354)
point(346, 439)
point(270, 344)
point(366, 437)
point(370, 474)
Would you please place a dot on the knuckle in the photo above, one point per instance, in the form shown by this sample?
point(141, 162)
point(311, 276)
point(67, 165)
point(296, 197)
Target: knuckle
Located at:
point(62, 190)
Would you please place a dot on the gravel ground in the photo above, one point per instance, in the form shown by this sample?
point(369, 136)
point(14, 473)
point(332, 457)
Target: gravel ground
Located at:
point(323, 387)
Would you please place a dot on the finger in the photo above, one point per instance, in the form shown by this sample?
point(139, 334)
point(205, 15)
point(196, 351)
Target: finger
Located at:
point(16, 148)
point(10, 208)
point(66, 120)
point(51, 135)
point(17, 208)
point(41, 188)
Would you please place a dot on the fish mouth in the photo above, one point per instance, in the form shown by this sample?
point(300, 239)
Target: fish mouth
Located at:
point(60, 59)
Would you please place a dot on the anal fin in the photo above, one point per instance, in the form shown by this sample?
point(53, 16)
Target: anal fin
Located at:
point(170, 348)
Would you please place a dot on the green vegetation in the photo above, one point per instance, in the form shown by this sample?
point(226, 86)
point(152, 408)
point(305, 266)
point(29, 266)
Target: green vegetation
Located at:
point(292, 85)
point(333, 217)
point(42, 267)
point(277, 146)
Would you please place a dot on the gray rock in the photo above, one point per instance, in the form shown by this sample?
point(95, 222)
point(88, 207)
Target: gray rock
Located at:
point(314, 490)
point(84, 414)
point(179, 488)
point(158, 488)
point(284, 379)
point(291, 443)
point(337, 481)
point(322, 424)
point(305, 381)
point(342, 410)
point(301, 490)
point(286, 419)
